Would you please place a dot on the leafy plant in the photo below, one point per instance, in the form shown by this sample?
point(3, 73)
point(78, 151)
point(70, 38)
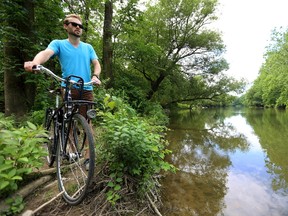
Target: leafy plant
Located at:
point(20, 151)
point(132, 146)
point(6, 122)
point(16, 206)
point(115, 187)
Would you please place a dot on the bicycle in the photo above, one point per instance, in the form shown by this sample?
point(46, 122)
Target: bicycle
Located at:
point(70, 140)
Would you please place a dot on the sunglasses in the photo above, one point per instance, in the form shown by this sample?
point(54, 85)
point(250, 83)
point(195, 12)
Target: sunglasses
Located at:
point(75, 24)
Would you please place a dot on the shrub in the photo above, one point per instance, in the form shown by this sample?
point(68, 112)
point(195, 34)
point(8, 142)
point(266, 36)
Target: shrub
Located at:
point(155, 113)
point(132, 146)
point(20, 151)
point(6, 123)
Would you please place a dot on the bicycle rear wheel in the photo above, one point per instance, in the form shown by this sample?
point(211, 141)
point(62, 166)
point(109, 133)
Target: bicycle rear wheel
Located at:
point(73, 176)
point(50, 145)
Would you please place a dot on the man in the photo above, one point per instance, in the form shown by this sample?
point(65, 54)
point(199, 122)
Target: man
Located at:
point(75, 58)
point(74, 55)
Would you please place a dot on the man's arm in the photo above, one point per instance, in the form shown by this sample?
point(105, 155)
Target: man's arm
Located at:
point(40, 58)
point(96, 71)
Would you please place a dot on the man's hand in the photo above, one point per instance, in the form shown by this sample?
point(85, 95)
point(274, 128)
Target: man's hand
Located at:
point(96, 80)
point(28, 66)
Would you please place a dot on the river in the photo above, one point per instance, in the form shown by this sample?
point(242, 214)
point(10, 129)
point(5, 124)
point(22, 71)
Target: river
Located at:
point(231, 162)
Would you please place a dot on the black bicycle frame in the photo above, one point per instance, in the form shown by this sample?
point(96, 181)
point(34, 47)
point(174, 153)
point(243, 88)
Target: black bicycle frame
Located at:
point(61, 117)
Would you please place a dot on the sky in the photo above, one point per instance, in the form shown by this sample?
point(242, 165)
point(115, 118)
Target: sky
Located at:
point(246, 27)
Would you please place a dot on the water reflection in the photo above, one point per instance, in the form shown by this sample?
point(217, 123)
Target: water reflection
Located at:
point(272, 128)
point(222, 167)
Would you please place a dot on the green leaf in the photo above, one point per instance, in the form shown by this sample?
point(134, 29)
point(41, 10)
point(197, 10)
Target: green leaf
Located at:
point(22, 170)
point(4, 175)
point(136, 171)
point(154, 148)
point(111, 105)
point(5, 167)
point(106, 99)
point(116, 197)
point(31, 126)
point(112, 175)
point(110, 195)
point(166, 166)
point(12, 173)
point(3, 184)
point(119, 180)
point(117, 187)
point(23, 160)
point(17, 178)
point(110, 184)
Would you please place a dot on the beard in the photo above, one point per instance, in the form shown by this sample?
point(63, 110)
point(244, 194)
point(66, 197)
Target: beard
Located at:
point(74, 34)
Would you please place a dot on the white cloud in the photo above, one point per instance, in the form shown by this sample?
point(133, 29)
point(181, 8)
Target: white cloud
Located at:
point(248, 195)
point(246, 26)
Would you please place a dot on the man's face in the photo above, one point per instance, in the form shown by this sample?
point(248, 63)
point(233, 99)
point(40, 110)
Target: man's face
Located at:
point(74, 27)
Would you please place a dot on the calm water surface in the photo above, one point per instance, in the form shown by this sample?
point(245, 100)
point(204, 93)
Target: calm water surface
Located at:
point(231, 162)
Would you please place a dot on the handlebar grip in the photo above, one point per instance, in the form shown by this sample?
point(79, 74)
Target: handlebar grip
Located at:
point(36, 67)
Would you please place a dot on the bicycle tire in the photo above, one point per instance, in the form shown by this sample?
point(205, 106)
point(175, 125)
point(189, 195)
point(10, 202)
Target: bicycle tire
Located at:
point(73, 178)
point(50, 145)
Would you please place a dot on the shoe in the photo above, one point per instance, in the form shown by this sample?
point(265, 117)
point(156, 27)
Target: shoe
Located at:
point(86, 164)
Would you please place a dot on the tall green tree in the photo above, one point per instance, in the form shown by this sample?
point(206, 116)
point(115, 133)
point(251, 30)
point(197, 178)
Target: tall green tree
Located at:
point(107, 43)
point(17, 19)
point(116, 15)
point(170, 45)
point(270, 88)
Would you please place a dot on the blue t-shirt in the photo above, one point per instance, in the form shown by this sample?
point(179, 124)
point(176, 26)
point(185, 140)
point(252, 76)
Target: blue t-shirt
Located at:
point(74, 60)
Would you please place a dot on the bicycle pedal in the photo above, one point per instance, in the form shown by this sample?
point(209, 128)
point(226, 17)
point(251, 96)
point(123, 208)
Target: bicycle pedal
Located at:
point(86, 164)
point(73, 157)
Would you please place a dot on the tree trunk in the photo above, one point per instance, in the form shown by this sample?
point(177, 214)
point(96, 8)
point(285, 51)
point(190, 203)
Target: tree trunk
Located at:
point(86, 20)
point(107, 43)
point(19, 96)
point(155, 86)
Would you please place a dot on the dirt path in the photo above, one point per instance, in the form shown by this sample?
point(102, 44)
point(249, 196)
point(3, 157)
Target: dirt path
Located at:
point(47, 200)
point(94, 204)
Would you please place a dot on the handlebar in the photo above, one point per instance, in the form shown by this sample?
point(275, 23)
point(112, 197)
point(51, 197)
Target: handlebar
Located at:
point(50, 73)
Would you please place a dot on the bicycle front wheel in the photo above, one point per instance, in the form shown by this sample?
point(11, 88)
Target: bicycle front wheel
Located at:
point(76, 161)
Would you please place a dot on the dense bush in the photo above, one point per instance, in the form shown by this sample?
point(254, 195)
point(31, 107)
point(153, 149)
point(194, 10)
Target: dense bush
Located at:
point(131, 146)
point(20, 151)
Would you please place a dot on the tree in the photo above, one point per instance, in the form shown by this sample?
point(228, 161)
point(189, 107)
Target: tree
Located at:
point(217, 92)
point(25, 30)
point(170, 45)
point(117, 14)
point(107, 43)
point(85, 8)
point(17, 36)
point(270, 87)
